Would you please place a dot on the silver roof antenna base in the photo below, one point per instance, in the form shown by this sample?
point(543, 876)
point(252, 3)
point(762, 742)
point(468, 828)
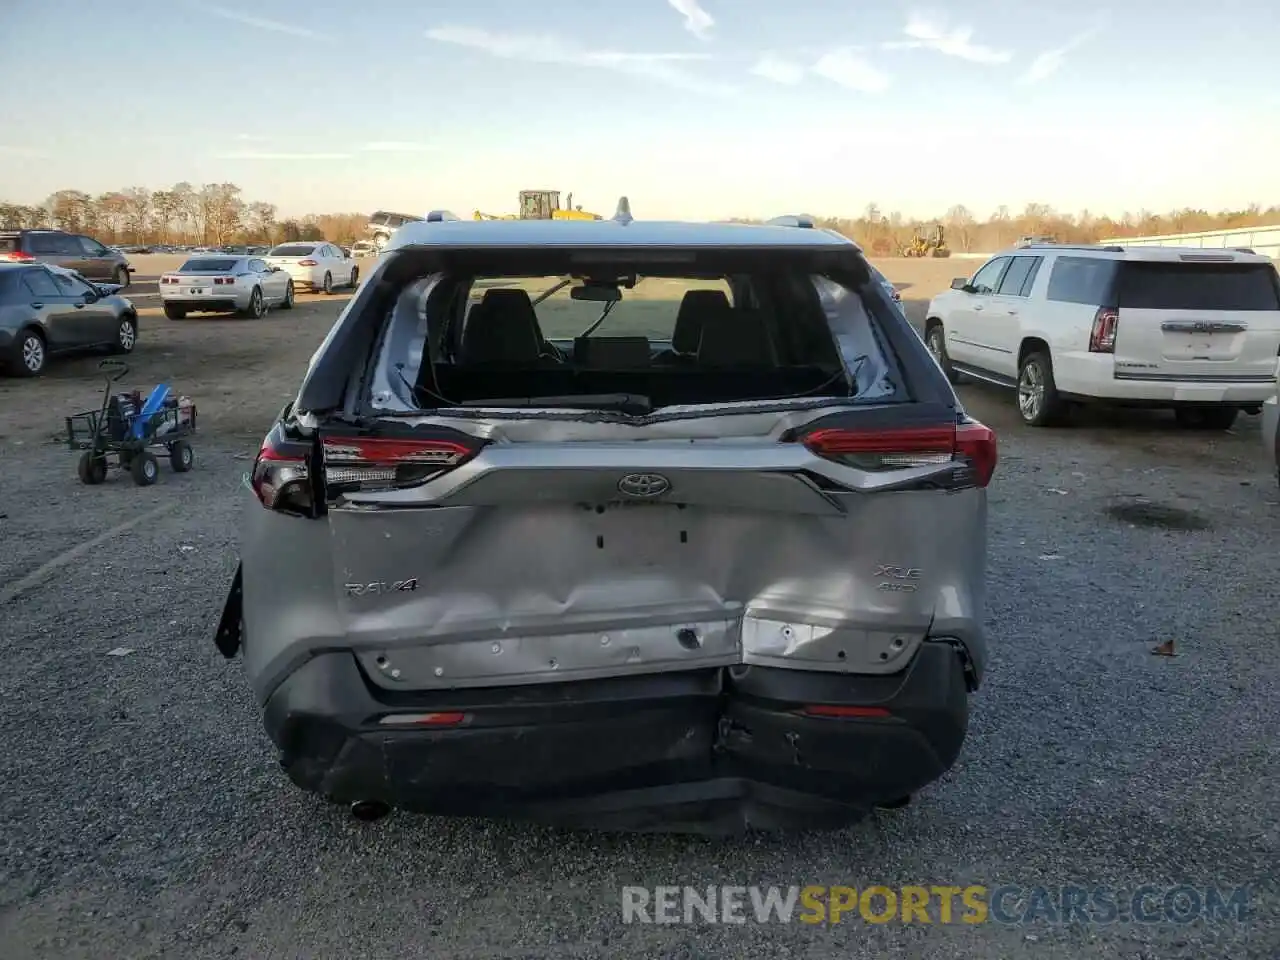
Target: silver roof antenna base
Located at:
point(624, 211)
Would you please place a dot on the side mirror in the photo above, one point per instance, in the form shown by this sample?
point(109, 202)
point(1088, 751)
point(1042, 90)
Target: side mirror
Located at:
point(960, 283)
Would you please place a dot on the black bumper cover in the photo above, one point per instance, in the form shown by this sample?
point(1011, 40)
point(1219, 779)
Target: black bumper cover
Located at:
point(707, 751)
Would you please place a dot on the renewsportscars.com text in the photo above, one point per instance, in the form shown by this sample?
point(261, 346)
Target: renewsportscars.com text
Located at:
point(937, 904)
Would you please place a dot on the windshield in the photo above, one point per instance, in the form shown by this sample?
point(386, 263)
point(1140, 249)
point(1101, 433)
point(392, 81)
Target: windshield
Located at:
point(294, 250)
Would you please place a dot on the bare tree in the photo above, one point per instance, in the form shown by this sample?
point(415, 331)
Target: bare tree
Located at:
point(261, 220)
point(137, 213)
point(961, 222)
point(185, 206)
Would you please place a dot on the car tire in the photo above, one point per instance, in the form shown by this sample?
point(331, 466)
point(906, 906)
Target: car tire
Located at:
point(174, 313)
point(120, 276)
point(1039, 404)
point(1206, 418)
point(126, 334)
point(257, 308)
point(30, 353)
point(145, 469)
point(92, 468)
point(355, 278)
point(181, 457)
point(287, 302)
point(327, 288)
point(936, 340)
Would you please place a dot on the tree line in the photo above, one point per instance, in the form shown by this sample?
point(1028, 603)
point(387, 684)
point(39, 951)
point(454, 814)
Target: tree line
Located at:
point(884, 234)
point(215, 213)
point(218, 213)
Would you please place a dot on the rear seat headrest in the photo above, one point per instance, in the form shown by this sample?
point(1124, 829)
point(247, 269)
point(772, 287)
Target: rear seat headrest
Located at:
point(502, 328)
point(693, 306)
point(735, 338)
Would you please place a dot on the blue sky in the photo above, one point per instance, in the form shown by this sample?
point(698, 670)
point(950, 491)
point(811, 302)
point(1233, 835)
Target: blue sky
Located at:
point(692, 108)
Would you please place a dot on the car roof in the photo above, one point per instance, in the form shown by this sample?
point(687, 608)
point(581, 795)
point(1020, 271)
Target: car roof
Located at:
point(1142, 252)
point(612, 233)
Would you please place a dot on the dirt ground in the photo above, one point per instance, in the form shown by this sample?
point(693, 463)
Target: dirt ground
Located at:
point(145, 816)
point(241, 372)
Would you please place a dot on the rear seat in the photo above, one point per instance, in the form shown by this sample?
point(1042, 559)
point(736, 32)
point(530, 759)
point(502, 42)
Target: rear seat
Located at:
point(503, 329)
point(687, 334)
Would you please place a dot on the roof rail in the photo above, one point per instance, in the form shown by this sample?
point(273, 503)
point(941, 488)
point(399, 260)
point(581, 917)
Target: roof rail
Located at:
point(1243, 249)
point(438, 216)
point(802, 220)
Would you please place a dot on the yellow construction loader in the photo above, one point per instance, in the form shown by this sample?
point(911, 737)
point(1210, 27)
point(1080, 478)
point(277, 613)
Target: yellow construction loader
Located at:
point(542, 205)
point(934, 245)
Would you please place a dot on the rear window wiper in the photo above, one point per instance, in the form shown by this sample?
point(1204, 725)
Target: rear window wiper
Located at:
point(622, 402)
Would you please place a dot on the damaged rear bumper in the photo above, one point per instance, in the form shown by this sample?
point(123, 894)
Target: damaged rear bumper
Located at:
point(712, 750)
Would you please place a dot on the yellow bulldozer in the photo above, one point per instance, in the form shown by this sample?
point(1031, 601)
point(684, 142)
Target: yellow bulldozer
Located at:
point(934, 245)
point(542, 205)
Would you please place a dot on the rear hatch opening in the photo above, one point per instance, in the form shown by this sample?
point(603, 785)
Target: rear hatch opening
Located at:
point(636, 340)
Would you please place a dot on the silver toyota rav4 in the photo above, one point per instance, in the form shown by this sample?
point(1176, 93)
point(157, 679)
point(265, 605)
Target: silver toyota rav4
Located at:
point(619, 525)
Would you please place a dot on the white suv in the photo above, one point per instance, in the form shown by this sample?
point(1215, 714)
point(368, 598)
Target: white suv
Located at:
point(1195, 331)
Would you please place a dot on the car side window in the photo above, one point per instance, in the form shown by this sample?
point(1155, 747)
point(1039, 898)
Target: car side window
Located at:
point(66, 245)
point(258, 266)
point(40, 284)
point(44, 244)
point(92, 247)
point(1084, 280)
point(987, 279)
point(1017, 280)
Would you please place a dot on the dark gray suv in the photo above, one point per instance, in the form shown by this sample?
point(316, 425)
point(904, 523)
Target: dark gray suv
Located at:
point(86, 256)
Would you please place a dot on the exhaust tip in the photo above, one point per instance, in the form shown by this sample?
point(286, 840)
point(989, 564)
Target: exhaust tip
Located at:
point(368, 811)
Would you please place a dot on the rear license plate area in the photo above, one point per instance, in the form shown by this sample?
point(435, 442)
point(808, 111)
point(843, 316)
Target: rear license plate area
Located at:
point(194, 291)
point(638, 535)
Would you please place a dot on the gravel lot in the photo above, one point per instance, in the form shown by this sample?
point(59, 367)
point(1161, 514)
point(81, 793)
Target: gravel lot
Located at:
point(144, 816)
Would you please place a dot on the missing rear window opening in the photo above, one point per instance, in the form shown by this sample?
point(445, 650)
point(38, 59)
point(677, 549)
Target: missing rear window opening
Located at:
point(629, 338)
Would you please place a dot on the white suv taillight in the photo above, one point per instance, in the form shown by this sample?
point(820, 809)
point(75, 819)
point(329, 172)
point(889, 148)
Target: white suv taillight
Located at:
point(1102, 338)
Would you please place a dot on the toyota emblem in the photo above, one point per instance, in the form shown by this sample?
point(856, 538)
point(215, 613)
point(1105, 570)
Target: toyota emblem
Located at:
point(644, 485)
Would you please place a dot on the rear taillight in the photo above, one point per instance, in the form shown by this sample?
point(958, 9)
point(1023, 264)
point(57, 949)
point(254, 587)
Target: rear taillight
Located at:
point(165, 280)
point(385, 463)
point(308, 263)
point(282, 476)
point(1102, 338)
point(223, 281)
point(971, 446)
point(16, 255)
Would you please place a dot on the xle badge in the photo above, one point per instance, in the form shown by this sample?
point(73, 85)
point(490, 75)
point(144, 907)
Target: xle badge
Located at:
point(898, 579)
point(379, 587)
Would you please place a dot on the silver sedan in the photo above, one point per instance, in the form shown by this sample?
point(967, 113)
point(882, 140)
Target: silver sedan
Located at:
point(225, 284)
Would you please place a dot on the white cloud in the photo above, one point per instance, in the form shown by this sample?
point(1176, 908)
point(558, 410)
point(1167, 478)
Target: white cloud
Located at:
point(663, 67)
point(842, 67)
point(8, 151)
point(774, 68)
point(260, 23)
point(928, 32)
point(256, 155)
point(696, 20)
point(395, 146)
point(1050, 61)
